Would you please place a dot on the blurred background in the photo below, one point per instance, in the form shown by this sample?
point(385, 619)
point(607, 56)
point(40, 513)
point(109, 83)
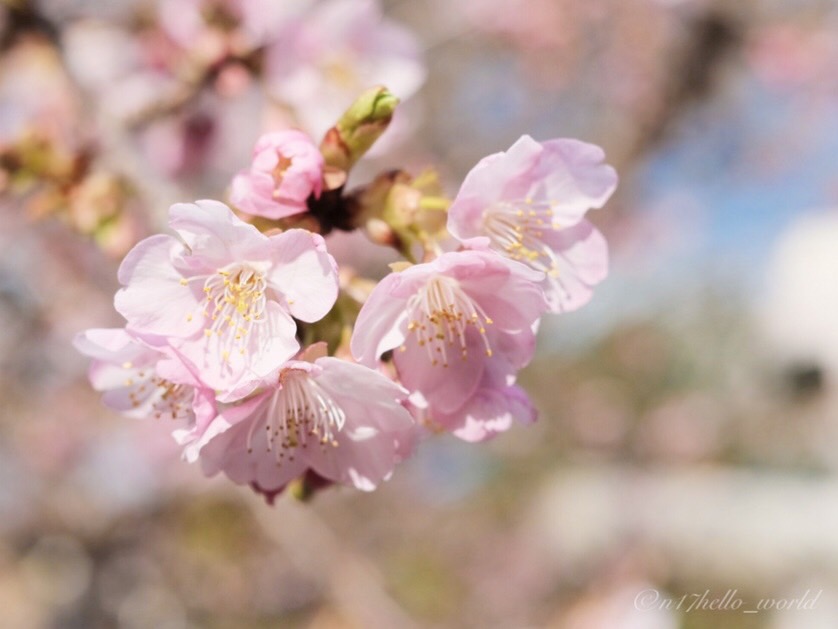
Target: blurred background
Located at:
point(688, 438)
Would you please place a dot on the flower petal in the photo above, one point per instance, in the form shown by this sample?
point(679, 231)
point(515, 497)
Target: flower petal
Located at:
point(573, 175)
point(374, 399)
point(497, 177)
point(582, 262)
point(210, 229)
point(382, 323)
point(490, 412)
point(152, 299)
point(303, 273)
point(446, 387)
point(378, 431)
point(236, 370)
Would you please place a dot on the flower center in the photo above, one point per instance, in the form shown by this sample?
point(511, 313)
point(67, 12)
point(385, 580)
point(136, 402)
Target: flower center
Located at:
point(278, 173)
point(221, 15)
point(299, 410)
point(440, 315)
point(167, 398)
point(516, 229)
point(235, 302)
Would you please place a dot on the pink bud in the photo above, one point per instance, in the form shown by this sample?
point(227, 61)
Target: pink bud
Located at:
point(287, 168)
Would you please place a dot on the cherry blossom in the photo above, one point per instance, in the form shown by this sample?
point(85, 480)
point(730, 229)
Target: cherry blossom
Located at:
point(341, 420)
point(223, 294)
point(530, 202)
point(447, 319)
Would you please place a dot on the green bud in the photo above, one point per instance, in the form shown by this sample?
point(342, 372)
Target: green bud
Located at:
point(359, 127)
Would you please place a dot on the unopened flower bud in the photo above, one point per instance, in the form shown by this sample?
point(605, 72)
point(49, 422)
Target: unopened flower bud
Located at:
point(359, 127)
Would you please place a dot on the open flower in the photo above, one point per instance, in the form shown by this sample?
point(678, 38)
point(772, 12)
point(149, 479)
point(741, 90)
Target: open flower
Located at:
point(341, 420)
point(530, 202)
point(287, 167)
point(223, 295)
point(447, 319)
point(126, 371)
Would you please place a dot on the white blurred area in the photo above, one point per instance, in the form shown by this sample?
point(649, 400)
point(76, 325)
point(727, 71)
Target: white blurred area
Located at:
point(764, 536)
point(798, 311)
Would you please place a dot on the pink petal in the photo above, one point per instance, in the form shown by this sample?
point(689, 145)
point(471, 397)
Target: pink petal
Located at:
point(513, 350)
point(582, 256)
point(153, 299)
point(575, 176)
point(446, 387)
point(368, 397)
point(513, 300)
point(304, 273)
point(114, 345)
point(209, 428)
point(382, 323)
point(490, 412)
point(211, 230)
point(377, 431)
point(495, 178)
point(362, 463)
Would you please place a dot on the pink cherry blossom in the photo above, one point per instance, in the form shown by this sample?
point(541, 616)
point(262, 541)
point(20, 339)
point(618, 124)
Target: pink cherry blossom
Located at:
point(343, 421)
point(447, 319)
point(338, 49)
point(126, 371)
point(223, 294)
point(287, 167)
point(530, 202)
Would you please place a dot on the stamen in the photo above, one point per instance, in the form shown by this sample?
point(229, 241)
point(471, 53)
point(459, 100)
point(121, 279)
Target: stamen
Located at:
point(516, 229)
point(235, 302)
point(440, 315)
point(162, 397)
point(300, 412)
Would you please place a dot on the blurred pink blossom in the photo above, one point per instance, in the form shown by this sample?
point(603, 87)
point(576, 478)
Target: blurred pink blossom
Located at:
point(199, 23)
point(323, 60)
point(791, 56)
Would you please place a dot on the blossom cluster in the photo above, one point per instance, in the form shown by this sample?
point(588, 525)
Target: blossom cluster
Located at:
point(277, 366)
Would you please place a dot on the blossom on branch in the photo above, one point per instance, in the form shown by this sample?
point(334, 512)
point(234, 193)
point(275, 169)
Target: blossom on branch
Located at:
point(530, 202)
point(287, 168)
point(345, 422)
point(448, 320)
point(223, 294)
